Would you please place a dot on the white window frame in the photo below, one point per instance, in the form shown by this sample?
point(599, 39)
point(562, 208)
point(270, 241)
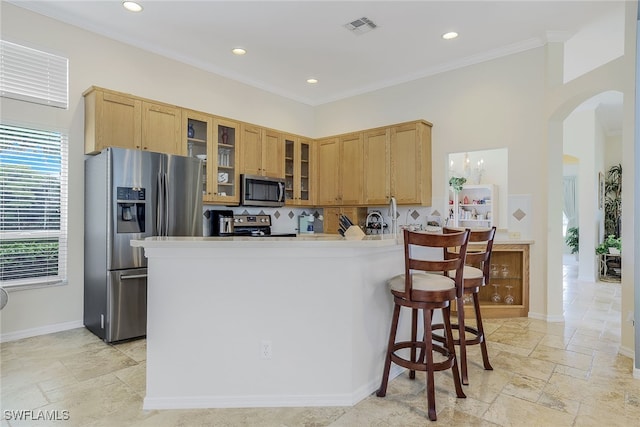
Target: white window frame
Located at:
point(61, 234)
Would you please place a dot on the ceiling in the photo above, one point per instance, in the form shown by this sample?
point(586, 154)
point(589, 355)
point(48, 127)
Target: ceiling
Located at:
point(290, 41)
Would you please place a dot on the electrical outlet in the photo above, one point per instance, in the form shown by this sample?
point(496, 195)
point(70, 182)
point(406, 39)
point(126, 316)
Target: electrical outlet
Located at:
point(514, 235)
point(265, 350)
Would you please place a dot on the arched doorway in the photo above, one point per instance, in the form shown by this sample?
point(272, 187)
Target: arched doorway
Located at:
point(591, 163)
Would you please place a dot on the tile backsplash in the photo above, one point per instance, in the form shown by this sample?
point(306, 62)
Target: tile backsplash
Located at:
point(285, 219)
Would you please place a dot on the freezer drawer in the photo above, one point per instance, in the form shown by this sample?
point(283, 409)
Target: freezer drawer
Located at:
point(126, 304)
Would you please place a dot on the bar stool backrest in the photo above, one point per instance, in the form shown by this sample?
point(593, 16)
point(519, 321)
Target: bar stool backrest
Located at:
point(480, 254)
point(424, 261)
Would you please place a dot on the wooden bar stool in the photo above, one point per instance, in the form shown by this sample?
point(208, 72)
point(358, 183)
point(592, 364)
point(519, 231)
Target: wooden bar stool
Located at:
point(426, 286)
point(475, 275)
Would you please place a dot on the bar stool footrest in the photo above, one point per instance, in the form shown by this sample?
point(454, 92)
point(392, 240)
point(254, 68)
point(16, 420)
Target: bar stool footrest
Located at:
point(421, 366)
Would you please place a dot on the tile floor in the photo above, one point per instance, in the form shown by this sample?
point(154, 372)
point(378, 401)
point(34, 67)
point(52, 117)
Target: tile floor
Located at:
point(545, 374)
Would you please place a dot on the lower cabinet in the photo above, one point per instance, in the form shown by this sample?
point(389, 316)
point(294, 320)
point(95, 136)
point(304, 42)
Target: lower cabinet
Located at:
point(507, 293)
point(331, 217)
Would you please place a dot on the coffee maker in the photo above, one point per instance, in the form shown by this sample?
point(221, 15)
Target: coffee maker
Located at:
point(220, 222)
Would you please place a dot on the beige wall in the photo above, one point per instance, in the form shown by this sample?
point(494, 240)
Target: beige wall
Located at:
point(96, 60)
point(494, 104)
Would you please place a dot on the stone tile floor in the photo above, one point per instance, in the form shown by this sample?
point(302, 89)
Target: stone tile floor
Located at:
point(545, 374)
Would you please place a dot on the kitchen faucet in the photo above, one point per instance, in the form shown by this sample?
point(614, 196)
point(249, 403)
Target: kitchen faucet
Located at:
point(378, 224)
point(393, 213)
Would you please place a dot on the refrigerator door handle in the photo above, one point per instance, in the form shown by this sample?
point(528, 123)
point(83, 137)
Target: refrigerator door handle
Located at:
point(133, 276)
point(160, 205)
point(165, 214)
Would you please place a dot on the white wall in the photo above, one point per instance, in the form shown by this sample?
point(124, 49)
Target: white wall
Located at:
point(95, 60)
point(595, 45)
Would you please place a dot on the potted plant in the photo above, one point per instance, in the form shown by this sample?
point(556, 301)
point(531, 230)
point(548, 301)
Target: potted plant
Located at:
point(456, 183)
point(572, 239)
point(611, 245)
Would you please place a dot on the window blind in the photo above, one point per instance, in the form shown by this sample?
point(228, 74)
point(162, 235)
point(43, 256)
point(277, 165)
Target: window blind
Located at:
point(33, 206)
point(32, 75)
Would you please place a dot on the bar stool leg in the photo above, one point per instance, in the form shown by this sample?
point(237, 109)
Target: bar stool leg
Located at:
point(462, 339)
point(414, 337)
point(452, 349)
point(483, 340)
point(382, 391)
point(431, 390)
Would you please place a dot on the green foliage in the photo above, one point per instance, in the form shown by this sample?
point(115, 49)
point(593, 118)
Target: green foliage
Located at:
point(610, 242)
point(456, 183)
point(19, 257)
point(572, 239)
point(613, 200)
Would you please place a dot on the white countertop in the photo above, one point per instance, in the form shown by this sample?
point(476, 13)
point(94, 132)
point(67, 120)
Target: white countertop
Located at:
point(302, 240)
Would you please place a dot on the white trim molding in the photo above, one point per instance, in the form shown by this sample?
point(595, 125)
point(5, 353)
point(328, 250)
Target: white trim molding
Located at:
point(43, 330)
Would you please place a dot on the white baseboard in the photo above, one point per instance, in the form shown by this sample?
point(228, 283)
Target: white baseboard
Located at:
point(43, 330)
point(293, 401)
point(551, 319)
point(626, 351)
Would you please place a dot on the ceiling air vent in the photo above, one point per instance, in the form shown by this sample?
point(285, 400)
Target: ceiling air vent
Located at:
point(360, 26)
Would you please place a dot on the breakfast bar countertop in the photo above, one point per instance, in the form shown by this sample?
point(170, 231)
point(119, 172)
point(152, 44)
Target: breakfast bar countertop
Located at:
point(318, 303)
point(301, 240)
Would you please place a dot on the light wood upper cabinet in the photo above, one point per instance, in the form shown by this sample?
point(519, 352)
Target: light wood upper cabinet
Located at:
point(328, 172)
point(262, 151)
point(358, 169)
point(299, 171)
point(377, 166)
point(411, 163)
point(351, 169)
point(251, 143)
point(111, 120)
point(340, 170)
point(273, 154)
point(115, 119)
point(161, 126)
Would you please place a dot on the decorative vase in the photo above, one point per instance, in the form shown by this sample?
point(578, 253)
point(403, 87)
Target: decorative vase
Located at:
point(190, 131)
point(225, 136)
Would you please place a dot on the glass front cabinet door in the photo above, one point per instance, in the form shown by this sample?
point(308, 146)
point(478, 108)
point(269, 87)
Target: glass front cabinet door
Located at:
point(197, 131)
point(226, 178)
point(507, 293)
point(298, 171)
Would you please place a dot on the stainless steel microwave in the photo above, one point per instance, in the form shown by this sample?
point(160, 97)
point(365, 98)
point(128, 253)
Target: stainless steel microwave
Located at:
point(261, 191)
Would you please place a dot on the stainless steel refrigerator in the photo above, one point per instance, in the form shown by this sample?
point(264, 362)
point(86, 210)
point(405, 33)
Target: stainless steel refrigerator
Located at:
point(131, 194)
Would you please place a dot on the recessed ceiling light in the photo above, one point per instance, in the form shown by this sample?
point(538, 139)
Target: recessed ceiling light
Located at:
point(132, 6)
point(238, 51)
point(450, 35)
point(312, 81)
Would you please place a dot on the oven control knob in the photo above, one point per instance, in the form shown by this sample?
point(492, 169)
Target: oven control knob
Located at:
point(239, 220)
point(263, 220)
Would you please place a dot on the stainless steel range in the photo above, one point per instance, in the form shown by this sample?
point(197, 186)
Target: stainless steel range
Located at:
point(256, 226)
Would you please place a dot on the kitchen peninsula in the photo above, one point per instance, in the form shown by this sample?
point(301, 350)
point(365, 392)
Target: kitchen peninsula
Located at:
point(254, 322)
